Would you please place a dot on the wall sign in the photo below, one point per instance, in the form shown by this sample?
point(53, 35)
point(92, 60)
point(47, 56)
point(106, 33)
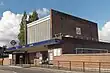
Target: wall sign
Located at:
point(78, 30)
point(10, 56)
point(13, 42)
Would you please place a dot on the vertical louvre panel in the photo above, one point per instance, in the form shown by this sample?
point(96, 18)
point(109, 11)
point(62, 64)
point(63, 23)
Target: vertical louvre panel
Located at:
point(39, 32)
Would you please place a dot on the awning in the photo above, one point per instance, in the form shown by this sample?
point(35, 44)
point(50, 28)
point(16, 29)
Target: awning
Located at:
point(42, 43)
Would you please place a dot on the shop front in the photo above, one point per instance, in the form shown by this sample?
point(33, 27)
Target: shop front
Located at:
point(31, 53)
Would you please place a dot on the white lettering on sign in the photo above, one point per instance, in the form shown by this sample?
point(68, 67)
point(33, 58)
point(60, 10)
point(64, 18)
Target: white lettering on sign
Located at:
point(78, 30)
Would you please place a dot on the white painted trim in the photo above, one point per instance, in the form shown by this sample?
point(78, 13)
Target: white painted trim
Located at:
point(38, 21)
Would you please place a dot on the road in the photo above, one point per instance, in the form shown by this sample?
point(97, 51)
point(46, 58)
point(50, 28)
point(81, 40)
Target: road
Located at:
point(6, 69)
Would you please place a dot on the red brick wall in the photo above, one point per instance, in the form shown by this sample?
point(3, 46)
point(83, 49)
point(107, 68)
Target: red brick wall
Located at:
point(66, 24)
point(84, 57)
point(90, 60)
point(5, 62)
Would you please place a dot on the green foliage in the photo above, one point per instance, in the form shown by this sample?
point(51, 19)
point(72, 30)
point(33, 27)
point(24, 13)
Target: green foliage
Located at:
point(33, 17)
point(23, 26)
point(21, 35)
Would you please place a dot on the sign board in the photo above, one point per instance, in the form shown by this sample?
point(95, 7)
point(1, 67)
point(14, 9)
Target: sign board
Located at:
point(13, 42)
point(78, 30)
point(10, 56)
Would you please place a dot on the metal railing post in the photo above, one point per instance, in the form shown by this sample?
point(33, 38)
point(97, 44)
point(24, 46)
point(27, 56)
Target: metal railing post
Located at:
point(70, 65)
point(58, 64)
point(83, 66)
point(99, 67)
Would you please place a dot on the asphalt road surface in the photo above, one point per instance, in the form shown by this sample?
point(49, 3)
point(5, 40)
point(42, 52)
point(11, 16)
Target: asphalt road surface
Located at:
point(6, 69)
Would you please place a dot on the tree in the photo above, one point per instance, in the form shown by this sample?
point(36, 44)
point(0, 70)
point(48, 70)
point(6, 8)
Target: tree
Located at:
point(33, 17)
point(22, 36)
point(23, 29)
point(30, 19)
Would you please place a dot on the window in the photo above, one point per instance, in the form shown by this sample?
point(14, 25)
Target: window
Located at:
point(78, 30)
point(57, 52)
point(51, 56)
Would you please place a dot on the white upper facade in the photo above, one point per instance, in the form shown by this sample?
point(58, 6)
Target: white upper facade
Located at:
point(39, 30)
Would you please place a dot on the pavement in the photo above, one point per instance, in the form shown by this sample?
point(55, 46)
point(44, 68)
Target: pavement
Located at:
point(6, 71)
point(17, 69)
point(53, 70)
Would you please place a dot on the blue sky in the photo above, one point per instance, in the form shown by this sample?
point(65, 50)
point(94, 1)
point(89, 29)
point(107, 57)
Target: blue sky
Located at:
point(94, 10)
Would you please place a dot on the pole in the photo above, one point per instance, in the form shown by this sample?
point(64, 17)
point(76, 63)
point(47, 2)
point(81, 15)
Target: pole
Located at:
point(25, 57)
point(2, 55)
point(70, 65)
point(99, 67)
point(2, 59)
point(76, 50)
point(58, 65)
point(83, 66)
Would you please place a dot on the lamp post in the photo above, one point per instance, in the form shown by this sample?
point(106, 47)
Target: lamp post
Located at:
point(2, 53)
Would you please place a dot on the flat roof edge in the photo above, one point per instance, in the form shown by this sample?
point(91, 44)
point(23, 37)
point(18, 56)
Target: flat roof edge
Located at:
point(77, 17)
point(38, 21)
point(46, 42)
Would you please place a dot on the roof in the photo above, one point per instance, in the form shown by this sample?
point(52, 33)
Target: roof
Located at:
point(46, 42)
point(39, 21)
point(88, 43)
point(74, 17)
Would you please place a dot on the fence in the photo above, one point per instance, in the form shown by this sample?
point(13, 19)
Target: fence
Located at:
point(100, 67)
point(84, 66)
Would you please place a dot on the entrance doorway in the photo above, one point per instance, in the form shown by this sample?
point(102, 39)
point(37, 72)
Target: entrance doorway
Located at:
point(22, 58)
point(44, 57)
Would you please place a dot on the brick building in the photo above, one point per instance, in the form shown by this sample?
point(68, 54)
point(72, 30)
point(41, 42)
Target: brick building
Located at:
point(56, 34)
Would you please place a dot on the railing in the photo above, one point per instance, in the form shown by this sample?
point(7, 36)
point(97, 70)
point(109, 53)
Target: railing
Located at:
point(84, 66)
point(100, 67)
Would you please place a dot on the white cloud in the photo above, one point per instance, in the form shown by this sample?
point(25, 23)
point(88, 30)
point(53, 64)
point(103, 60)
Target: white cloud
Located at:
point(42, 12)
point(104, 33)
point(9, 25)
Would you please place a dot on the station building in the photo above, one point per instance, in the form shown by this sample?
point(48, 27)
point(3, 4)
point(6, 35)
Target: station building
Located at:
point(56, 34)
